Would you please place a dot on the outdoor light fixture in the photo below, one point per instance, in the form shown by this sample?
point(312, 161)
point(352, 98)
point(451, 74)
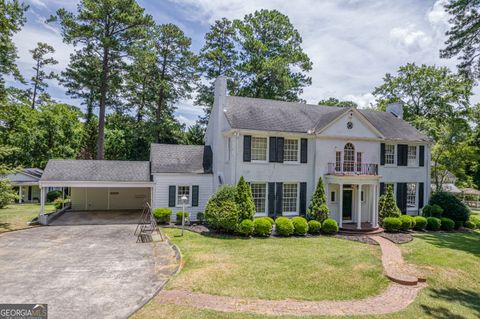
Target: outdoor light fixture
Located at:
point(184, 201)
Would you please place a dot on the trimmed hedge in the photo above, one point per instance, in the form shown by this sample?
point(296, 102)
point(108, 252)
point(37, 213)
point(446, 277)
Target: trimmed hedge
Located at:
point(470, 224)
point(447, 224)
point(200, 217)
point(392, 224)
point(433, 223)
point(329, 226)
point(453, 207)
point(162, 215)
point(300, 225)
point(407, 222)
point(262, 227)
point(475, 219)
point(246, 227)
point(53, 195)
point(284, 226)
point(314, 227)
point(221, 212)
point(432, 211)
point(270, 219)
point(420, 223)
point(179, 218)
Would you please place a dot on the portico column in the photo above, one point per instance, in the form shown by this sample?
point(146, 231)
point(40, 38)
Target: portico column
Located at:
point(359, 207)
point(20, 194)
point(377, 195)
point(373, 189)
point(340, 220)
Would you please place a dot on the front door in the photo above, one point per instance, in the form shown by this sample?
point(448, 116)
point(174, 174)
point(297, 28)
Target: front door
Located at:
point(347, 204)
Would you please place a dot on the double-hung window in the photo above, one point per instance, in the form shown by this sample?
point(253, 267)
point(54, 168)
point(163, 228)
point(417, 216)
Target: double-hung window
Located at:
point(338, 161)
point(412, 155)
point(290, 150)
point(411, 195)
point(259, 148)
point(259, 193)
point(290, 197)
point(389, 154)
point(181, 191)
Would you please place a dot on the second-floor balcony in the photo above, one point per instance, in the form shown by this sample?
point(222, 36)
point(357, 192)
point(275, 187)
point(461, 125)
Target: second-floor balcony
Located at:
point(351, 168)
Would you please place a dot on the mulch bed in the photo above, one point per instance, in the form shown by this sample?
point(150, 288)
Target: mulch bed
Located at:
point(398, 238)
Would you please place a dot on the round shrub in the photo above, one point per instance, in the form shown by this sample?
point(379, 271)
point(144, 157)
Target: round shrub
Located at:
point(432, 211)
point(179, 218)
point(162, 215)
point(407, 222)
point(59, 202)
point(300, 226)
point(284, 226)
point(329, 226)
point(262, 227)
point(420, 223)
point(53, 195)
point(475, 220)
point(470, 224)
point(246, 227)
point(459, 224)
point(270, 219)
point(433, 223)
point(314, 227)
point(447, 224)
point(453, 207)
point(200, 217)
point(392, 224)
point(221, 212)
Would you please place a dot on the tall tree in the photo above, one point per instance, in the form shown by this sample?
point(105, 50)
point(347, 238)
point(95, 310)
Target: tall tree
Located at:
point(272, 64)
point(336, 102)
point(39, 55)
point(463, 37)
point(12, 19)
point(194, 135)
point(218, 56)
point(175, 74)
point(110, 27)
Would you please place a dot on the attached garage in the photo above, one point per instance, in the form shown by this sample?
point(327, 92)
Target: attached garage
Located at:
point(100, 185)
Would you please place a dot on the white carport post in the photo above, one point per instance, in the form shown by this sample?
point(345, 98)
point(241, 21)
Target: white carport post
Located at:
point(20, 194)
point(42, 200)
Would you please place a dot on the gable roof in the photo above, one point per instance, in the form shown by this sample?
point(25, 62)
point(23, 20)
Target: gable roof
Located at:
point(96, 171)
point(272, 115)
point(170, 158)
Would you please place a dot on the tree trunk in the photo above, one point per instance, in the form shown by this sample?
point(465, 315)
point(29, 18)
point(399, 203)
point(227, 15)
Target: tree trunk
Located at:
point(103, 99)
point(34, 96)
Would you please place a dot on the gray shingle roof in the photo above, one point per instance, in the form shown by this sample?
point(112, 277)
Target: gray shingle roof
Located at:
point(92, 170)
point(271, 115)
point(169, 158)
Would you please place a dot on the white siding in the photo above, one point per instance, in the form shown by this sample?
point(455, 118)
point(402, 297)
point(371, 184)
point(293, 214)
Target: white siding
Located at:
point(163, 181)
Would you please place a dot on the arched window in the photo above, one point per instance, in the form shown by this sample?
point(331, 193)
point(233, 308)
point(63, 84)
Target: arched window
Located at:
point(348, 157)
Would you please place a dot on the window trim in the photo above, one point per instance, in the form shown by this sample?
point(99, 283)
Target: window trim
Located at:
point(267, 149)
point(298, 151)
point(265, 213)
point(189, 204)
point(415, 207)
point(416, 164)
point(394, 154)
point(296, 212)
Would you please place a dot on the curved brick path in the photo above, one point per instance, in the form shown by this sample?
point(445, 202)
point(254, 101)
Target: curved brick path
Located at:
point(395, 298)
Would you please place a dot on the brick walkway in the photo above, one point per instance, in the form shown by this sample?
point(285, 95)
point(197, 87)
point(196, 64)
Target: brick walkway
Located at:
point(399, 294)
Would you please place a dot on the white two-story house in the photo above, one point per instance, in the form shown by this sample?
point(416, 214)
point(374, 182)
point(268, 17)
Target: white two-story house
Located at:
point(281, 149)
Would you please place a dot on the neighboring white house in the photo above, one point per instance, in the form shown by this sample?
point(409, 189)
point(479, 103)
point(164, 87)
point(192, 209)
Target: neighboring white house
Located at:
point(282, 149)
point(26, 184)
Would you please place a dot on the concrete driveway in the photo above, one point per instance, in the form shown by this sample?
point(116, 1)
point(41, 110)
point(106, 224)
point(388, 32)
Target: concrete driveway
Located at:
point(95, 271)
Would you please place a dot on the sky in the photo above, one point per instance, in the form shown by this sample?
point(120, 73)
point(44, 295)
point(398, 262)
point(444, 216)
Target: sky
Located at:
point(352, 43)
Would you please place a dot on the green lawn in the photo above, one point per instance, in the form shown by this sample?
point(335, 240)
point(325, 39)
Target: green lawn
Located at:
point(450, 260)
point(16, 216)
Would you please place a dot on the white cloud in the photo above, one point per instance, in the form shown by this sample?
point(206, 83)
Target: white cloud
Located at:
point(410, 38)
point(363, 101)
point(38, 3)
point(437, 15)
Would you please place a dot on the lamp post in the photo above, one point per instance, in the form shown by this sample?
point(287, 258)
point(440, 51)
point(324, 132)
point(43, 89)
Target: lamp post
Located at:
point(184, 201)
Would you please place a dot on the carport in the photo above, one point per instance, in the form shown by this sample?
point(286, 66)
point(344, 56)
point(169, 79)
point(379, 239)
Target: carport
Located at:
point(108, 186)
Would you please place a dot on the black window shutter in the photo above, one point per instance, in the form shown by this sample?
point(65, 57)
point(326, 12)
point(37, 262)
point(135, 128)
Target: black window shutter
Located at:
point(171, 195)
point(303, 150)
point(421, 161)
point(382, 188)
point(280, 141)
point(402, 197)
point(271, 199)
point(272, 152)
point(195, 195)
point(382, 154)
point(420, 195)
point(303, 199)
point(402, 155)
point(247, 148)
point(279, 199)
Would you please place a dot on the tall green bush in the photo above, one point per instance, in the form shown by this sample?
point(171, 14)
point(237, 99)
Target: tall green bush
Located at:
point(318, 208)
point(244, 200)
point(387, 205)
point(7, 194)
point(221, 212)
point(453, 207)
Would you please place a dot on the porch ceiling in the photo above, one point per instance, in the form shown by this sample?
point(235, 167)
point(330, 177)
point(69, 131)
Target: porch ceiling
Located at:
point(353, 179)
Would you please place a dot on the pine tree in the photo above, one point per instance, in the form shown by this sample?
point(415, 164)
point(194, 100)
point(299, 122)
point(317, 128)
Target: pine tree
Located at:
point(318, 208)
point(41, 61)
point(244, 200)
point(387, 205)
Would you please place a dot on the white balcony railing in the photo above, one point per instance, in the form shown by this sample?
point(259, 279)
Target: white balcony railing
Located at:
point(350, 168)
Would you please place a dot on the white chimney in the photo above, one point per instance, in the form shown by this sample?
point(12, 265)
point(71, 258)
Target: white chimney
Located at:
point(396, 108)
